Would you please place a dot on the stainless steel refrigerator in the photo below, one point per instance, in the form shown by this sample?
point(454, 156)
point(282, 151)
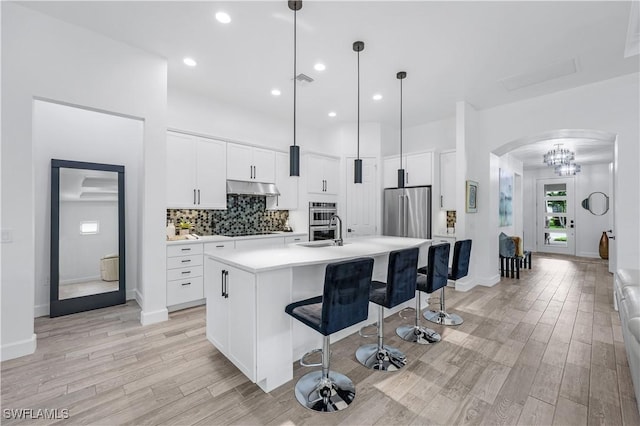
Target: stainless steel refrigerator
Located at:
point(407, 212)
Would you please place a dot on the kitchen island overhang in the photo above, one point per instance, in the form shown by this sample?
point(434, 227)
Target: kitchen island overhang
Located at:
point(247, 290)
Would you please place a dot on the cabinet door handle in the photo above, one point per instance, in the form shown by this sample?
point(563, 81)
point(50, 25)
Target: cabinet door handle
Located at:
point(226, 284)
point(407, 177)
point(186, 249)
point(198, 197)
point(441, 203)
point(222, 283)
point(186, 260)
point(186, 272)
point(220, 246)
point(194, 196)
point(186, 283)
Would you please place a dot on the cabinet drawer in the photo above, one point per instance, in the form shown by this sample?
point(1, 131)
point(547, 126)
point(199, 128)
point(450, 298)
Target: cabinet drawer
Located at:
point(184, 249)
point(184, 261)
point(297, 239)
point(183, 273)
point(185, 290)
point(219, 245)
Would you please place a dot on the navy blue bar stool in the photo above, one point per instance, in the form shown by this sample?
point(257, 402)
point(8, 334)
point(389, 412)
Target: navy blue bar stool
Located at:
point(459, 269)
point(344, 302)
point(437, 272)
point(400, 287)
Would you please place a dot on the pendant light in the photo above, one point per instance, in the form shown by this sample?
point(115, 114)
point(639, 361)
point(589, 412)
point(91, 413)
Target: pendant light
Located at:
point(558, 156)
point(401, 76)
point(294, 150)
point(358, 46)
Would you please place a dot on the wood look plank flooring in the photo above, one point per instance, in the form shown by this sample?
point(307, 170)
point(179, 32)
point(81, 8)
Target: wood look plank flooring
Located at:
point(545, 349)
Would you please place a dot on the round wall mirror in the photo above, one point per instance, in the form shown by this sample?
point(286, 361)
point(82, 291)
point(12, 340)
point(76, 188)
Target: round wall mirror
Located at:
point(597, 203)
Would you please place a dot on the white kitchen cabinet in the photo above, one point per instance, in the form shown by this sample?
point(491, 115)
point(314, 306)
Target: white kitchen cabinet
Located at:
point(196, 172)
point(296, 239)
point(390, 168)
point(231, 327)
point(249, 163)
point(323, 174)
point(287, 185)
point(219, 245)
point(419, 169)
point(184, 274)
point(448, 180)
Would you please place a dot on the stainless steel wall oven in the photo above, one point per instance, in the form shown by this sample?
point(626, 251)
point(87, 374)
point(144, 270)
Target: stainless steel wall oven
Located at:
point(320, 227)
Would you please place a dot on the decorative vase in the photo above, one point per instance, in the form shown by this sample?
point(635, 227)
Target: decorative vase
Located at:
point(604, 246)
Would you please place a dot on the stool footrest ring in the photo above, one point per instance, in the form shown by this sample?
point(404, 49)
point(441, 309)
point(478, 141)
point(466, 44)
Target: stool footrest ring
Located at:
point(303, 361)
point(362, 334)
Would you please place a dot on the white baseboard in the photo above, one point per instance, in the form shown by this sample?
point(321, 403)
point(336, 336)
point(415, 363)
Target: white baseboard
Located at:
point(138, 297)
point(131, 294)
point(590, 254)
point(41, 310)
point(81, 280)
point(18, 349)
point(148, 318)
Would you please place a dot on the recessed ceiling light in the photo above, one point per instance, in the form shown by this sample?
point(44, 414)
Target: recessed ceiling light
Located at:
point(377, 97)
point(319, 67)
point(275, 92)
point(223, 17)
point(189, 62)
point(332, 114)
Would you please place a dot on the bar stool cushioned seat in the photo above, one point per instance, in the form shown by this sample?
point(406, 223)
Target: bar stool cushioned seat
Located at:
point(344, 302)
point(459, 269)
point(400, 287)
point(436, 275)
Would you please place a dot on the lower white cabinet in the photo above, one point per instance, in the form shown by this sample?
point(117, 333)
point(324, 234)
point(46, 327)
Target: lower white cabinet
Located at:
point(184, 274)
point(296, 239)
point(231, 321)
point(259, 243)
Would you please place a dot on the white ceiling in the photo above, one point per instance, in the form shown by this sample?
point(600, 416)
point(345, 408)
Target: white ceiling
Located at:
point(451, 50)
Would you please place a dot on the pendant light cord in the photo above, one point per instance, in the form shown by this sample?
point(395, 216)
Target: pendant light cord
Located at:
point(295, 25)
point(358, 105)
point(401, 123)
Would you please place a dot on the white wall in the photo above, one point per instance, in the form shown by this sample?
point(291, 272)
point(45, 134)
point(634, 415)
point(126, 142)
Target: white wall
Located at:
point(436, 135)
point(45, 58)
point(67, 133)
point(588, 227)
point(610, 106)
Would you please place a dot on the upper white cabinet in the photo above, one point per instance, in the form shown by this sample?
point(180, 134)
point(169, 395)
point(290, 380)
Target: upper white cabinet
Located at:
point(418, 170)
point(287, 185)
point(196, 172)
point(323, 174)
point(250, 163)
point(448, 180)
point(390, 170)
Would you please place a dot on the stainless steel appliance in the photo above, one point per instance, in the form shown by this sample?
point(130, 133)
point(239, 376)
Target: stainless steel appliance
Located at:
point(407, 212)
point(320, 226)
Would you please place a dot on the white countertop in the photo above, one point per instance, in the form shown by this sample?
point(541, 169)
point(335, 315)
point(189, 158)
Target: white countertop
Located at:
point(216, 238)
point(294, 255)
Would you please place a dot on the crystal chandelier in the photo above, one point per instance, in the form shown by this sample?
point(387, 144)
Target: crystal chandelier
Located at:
point(567, 169)
point(558, 156)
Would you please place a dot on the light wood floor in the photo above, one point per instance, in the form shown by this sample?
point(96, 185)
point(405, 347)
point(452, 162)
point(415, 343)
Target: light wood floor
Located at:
point(545, 349)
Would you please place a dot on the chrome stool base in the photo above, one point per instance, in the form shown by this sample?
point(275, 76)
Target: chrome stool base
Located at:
point(386, 359)
point(444, 318)
point(419, 335)
point(318, 393)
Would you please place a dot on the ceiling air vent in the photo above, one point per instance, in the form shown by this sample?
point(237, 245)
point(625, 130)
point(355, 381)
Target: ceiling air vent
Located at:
point(304, 79)
point(540, 75)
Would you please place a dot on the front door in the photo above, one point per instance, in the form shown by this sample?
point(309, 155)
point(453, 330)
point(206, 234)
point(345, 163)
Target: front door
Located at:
point(555, 213)
point(361, 200)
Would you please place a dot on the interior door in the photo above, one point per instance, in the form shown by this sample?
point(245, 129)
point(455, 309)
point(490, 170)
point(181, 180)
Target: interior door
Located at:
point(361, 200)
point(555, 216)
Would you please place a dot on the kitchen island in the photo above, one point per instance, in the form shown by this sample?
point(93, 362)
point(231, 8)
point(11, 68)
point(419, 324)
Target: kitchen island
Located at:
point(246, 292)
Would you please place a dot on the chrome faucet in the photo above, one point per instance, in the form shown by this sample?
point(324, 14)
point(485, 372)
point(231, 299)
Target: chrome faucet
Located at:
point(338, 241)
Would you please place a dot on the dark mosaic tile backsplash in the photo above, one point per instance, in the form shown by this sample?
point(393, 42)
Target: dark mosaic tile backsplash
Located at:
point(245, 214)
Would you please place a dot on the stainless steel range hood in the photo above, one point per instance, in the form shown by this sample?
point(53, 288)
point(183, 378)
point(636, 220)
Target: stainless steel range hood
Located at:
point(251, 188)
